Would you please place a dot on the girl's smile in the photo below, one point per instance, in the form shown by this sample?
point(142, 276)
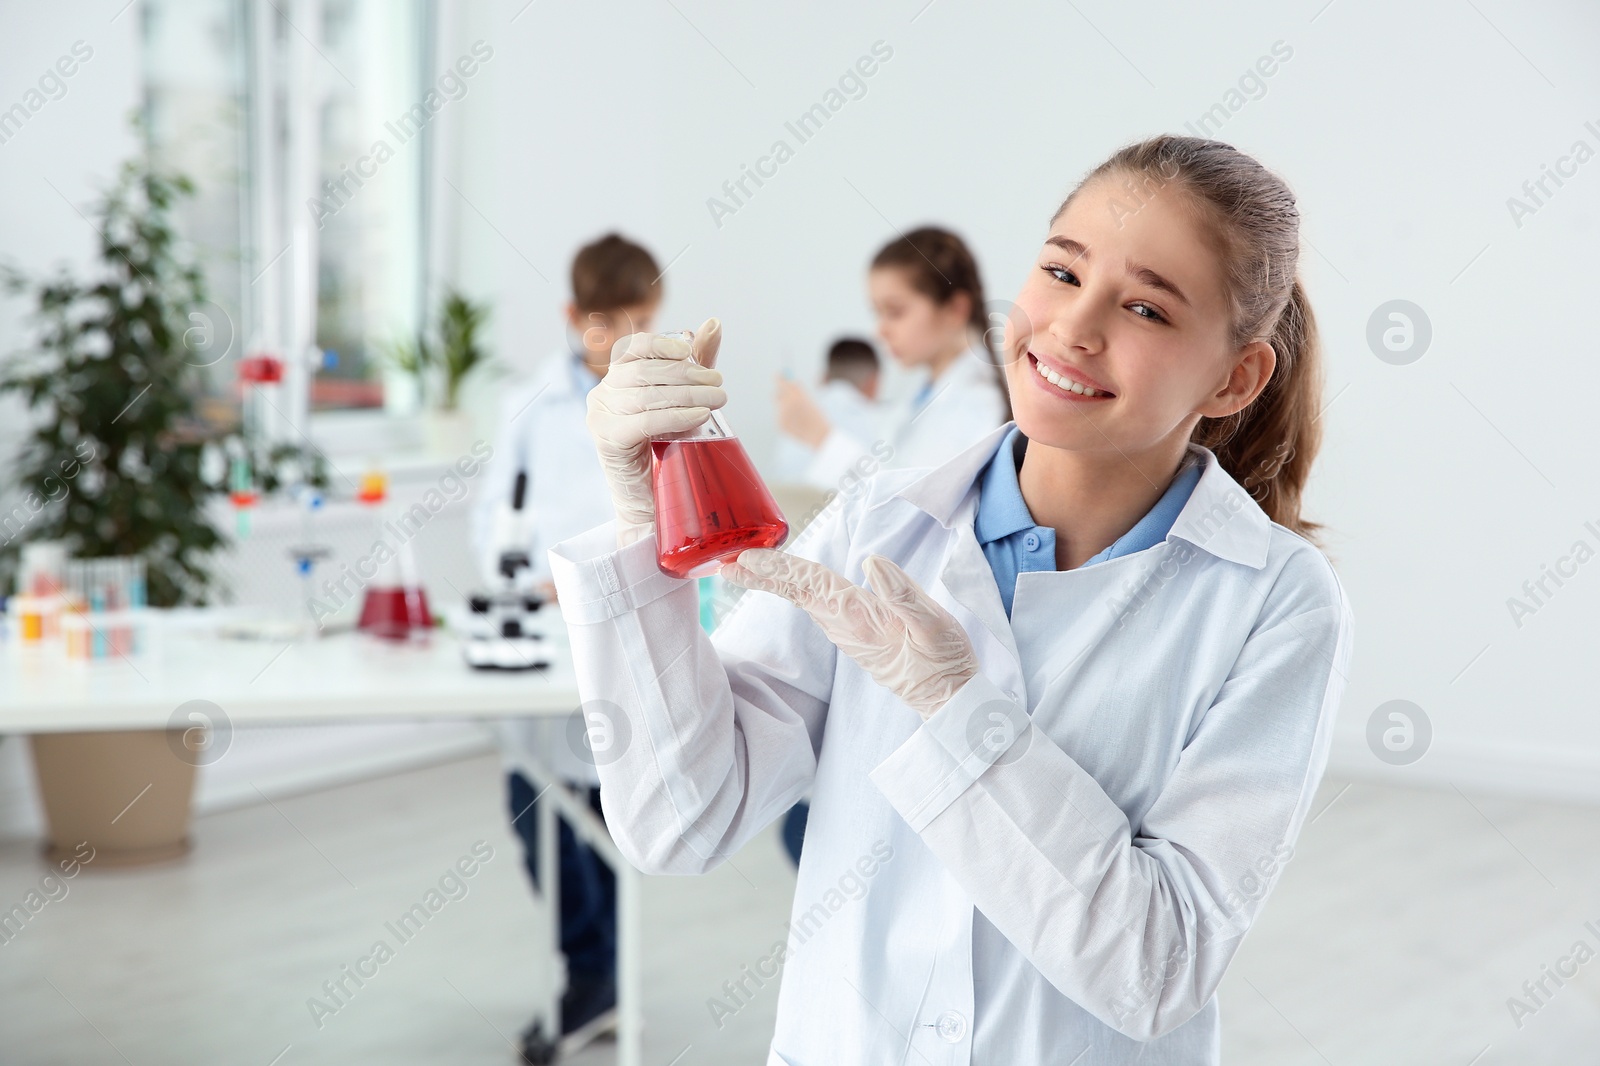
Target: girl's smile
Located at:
point(1067, 382)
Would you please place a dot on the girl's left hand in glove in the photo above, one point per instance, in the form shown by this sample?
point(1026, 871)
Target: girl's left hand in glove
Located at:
point(899, 634)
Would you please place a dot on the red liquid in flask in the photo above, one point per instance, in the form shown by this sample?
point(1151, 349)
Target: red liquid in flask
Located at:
point(394, 613)
point(710, 505)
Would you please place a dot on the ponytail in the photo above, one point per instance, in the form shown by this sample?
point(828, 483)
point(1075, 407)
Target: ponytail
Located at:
point(1268, 447)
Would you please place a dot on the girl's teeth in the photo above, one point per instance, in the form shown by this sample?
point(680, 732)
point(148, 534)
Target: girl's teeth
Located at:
point(1063, 383)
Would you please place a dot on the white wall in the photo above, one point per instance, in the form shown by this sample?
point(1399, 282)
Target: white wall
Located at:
point(65, 154)
point(1445, 483)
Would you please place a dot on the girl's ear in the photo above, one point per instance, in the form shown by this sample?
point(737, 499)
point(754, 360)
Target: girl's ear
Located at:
point(958, 309)
point(572, 316)
point(1251, 372)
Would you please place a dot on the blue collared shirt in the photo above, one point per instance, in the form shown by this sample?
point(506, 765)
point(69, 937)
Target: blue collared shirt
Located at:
point(1014, 544)
point(583, 378)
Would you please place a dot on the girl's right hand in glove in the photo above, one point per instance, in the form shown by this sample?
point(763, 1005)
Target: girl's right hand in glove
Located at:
point(656, 384)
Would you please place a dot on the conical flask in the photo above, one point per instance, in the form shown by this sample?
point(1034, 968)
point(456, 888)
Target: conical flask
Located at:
point(710, 502)
point(396, 606)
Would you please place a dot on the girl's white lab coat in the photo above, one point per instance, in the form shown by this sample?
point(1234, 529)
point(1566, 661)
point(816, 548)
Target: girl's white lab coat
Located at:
point(541, 430)
point(968, 402)
point(1064, 856)
point(848, 410)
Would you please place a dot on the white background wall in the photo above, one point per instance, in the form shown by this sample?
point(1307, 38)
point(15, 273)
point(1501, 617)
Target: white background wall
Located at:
point(1403, 129)
point(1445, 484)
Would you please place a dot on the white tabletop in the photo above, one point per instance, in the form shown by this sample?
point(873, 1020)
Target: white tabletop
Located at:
point(344, 677)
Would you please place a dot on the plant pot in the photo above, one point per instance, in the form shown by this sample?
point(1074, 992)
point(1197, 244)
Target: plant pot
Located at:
point(128, 793)
point(448, 434)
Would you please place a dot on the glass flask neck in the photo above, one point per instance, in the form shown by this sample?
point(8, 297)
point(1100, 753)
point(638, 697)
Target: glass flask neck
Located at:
point(714, 428)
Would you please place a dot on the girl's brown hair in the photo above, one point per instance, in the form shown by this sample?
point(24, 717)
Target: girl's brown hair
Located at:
point(1250, 215)
point(938, 264)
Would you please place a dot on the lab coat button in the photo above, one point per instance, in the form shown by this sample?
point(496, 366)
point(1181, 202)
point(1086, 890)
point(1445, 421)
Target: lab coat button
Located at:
point(1031, 542)
point(952, 1026)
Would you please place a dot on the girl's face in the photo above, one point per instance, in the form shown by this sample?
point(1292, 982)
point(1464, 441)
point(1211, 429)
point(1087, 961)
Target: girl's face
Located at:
point(1128, 301)
point(914, 328)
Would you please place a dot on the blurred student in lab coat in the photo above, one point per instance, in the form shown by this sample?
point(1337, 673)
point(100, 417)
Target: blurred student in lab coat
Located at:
point(928, 297)
point(616, 289)
point(848, 398)
point(1063, 703)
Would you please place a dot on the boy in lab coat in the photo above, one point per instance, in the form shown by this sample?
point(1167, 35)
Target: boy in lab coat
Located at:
point(616, 289)
point(848, 396)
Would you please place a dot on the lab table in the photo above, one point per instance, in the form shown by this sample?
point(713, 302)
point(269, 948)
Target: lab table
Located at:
point(189, 674)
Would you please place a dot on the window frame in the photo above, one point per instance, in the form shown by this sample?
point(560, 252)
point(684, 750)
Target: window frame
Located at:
point(286, 80)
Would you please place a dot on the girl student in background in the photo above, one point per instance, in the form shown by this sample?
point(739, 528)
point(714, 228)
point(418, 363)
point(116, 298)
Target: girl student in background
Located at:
point(928, 298)
point(1064, 814)
point(927, 294)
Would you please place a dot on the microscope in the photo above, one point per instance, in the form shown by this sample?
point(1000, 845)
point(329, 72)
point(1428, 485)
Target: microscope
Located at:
point(498, 635)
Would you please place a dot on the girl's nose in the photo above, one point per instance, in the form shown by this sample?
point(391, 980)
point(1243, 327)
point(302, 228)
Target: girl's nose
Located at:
point(1080, 324)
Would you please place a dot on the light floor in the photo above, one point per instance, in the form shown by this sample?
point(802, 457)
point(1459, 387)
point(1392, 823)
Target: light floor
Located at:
point(1399, 931)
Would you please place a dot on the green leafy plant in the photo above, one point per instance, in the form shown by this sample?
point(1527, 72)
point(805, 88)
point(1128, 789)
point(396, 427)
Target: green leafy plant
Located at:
point(113, 384)
point(441, 363)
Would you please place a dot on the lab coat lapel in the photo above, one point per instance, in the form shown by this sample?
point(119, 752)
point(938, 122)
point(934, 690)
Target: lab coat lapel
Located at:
point(964, 585)
point(966, 588)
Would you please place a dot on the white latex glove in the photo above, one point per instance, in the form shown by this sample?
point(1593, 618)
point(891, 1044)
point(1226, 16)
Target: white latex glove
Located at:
point(898, 634)
point(655, 385)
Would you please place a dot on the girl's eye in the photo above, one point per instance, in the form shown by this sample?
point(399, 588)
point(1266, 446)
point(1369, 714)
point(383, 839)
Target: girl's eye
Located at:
point(1059, 273)
point(1064, 275)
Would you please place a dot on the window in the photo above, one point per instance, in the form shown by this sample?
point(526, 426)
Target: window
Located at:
point(369, 169)
point(290, 117)
point(197, 116)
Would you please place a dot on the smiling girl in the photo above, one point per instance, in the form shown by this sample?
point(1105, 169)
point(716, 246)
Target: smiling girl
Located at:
point(1067, 739)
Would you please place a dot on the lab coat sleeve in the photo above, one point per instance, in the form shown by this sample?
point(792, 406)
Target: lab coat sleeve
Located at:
point(1137, 925)
point(710, 738)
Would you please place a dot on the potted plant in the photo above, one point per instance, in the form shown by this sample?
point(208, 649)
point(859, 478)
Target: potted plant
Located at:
point(440, 364)
point(114, 377)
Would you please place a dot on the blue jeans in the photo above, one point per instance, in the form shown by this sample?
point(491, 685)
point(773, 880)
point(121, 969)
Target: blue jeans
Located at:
point(588, 885)
point(794, 829)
